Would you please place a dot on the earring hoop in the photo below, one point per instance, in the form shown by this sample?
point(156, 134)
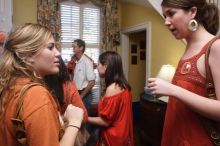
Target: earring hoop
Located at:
point(193, 25)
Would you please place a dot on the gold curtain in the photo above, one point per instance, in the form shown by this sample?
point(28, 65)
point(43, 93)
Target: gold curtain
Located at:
point(48, 14)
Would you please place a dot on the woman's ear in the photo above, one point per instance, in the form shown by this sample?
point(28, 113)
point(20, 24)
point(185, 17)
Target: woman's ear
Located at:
point(30, 59)
point(105, 66)
point(193, 11)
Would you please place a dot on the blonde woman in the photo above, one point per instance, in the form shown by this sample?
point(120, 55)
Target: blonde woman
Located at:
point(28, 112)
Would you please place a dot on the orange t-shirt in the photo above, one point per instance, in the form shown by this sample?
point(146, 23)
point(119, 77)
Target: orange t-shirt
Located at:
point(73, 98)
point(40, 117)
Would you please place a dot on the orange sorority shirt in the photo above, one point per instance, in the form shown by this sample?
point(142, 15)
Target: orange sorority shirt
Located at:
point(40, 117)
point(73, 98)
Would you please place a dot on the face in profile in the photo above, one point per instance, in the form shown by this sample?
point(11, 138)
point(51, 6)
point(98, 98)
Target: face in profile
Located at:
point(46, 61)
point(76, 48)
point(101, 69)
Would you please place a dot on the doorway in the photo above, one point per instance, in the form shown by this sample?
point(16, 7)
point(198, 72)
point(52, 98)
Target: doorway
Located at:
point(137, 62)
point(136, 65)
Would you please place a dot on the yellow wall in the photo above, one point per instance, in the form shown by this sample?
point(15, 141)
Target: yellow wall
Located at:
point(165, 49)
point(24, 11)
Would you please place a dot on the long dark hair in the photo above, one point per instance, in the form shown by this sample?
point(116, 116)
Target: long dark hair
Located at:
point(55, 82)
point(114, 71)
point(207, 13)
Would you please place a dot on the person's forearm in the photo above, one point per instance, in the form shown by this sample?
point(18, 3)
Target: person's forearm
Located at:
point(88, 88)
point(98, 121)
point(69, 136)
point(207, 107)
point(74, 117)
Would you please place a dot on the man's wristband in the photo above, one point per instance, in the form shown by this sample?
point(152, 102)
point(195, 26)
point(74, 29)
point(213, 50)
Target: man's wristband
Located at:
point(73, 126)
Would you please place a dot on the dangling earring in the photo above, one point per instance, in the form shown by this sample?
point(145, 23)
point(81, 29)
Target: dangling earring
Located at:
point(193, 25)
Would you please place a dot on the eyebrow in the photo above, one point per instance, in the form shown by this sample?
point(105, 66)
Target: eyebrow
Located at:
point(51, 43)
point(167, 11)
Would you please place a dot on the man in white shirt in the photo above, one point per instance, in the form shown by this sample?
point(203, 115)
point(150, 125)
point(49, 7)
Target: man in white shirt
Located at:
point(81, 69)
point(83, 73)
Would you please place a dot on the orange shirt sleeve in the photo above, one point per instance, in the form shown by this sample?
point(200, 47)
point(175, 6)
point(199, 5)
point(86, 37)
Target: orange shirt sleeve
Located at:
point(75, 98)
point(41, 118)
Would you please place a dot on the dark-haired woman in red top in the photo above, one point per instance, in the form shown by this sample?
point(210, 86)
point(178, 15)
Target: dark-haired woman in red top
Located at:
point(197, 22)
point(115, 108)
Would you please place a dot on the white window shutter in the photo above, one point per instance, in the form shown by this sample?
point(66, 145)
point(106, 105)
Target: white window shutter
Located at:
point(81, 21)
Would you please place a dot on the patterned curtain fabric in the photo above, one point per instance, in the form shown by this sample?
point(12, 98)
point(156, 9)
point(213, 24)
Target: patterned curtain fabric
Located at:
point(110, 27)
point(48, 14)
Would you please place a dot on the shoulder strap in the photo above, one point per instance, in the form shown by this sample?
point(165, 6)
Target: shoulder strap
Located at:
point(18, 123)
point(210, 88)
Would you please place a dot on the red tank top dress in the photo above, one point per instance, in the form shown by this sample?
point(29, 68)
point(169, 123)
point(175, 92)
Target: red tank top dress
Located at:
point(182, 126)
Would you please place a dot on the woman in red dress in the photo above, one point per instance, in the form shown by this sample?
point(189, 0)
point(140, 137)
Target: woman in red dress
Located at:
point(197, 22)
point(115, 107)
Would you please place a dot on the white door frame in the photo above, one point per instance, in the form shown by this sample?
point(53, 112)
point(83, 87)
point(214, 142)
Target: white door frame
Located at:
point(125, 46)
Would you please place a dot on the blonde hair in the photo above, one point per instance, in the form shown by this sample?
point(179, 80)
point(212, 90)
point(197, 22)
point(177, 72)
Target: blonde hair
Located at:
point(23, 41)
